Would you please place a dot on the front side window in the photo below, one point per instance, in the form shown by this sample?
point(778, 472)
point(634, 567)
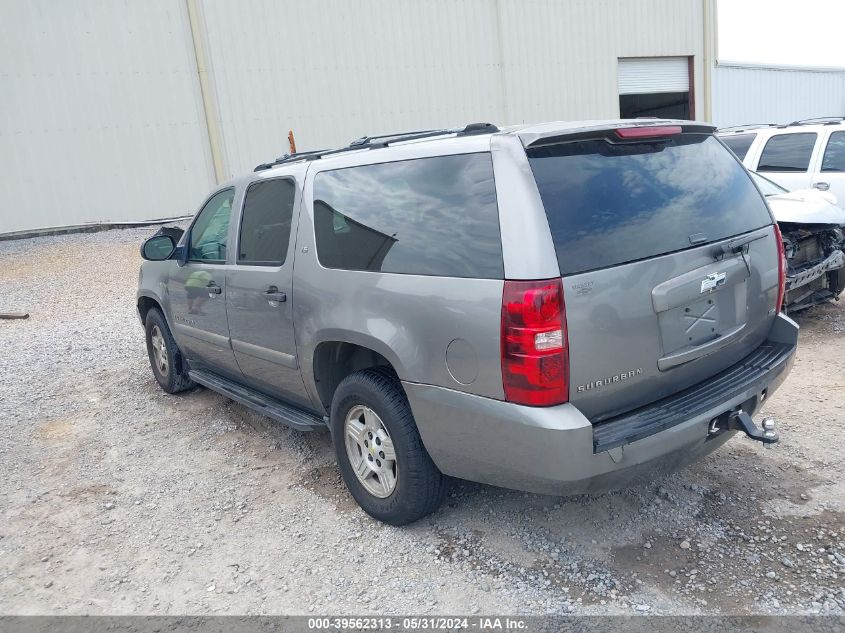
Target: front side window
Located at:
point(739, 144)
point(265, 226)
point(834, 155)
point(211, 230)
point(428, 216)
point(788, 152)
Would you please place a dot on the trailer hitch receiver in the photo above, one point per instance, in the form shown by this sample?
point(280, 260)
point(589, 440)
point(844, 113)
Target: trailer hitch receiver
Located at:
point(741, 421)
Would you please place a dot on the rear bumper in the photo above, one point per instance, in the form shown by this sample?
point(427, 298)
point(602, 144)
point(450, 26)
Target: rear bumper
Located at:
point(554, 450)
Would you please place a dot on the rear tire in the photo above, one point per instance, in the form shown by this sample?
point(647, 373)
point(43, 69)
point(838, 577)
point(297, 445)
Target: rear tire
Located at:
point(166, 361)
point(371, 421)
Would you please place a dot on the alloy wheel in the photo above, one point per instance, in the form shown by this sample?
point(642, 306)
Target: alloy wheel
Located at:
point(370, 451)
point(159, 350)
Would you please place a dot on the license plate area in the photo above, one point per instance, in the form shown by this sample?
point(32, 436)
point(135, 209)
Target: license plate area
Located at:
point(699, 308)
point(701, 321)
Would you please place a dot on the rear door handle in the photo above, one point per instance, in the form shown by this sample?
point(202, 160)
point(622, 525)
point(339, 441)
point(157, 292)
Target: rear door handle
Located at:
point(213, 288)
point(272, 294)
point(821, 186)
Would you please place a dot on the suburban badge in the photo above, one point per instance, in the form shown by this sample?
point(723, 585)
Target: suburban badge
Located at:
point(604, 382)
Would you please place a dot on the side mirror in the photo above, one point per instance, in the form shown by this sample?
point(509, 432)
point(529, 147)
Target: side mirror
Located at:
point(158, 248)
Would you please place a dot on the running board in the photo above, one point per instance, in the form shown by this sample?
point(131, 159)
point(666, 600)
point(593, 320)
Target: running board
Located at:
point(257, 401)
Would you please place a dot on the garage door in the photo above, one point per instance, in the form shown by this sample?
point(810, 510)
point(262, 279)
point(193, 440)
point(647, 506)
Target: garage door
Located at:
point(643, 75)
point(655, 87)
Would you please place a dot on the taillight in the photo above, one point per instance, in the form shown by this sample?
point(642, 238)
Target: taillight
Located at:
point(648, 131)
point(535, 355)
point(781, 269)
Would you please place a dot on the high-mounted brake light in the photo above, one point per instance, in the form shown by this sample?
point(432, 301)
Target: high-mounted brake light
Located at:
point(781, 269)
point(535, 354)
point(648, 131)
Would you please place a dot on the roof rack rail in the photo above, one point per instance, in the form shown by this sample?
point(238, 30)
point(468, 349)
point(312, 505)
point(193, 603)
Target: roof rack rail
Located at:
point(383, 140)
point(819, 119)
point(290, 158)
point(366, 139)
point(479, 128)
point(747, 126)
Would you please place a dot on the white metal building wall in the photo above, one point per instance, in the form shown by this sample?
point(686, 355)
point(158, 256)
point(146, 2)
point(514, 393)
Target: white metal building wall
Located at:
point(745, 93)
point(100, 114)
point(104, 94)
point(561, 57)
point(333, 70)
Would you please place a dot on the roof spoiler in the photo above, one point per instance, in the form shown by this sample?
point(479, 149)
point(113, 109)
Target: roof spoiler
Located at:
point(534, 138)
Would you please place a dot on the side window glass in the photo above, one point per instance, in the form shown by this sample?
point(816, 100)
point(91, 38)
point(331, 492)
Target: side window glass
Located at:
point(427, 216)
point(211, 230)
point(265, 226)
point(834, 155)
point(788, 152)
point(739, 144)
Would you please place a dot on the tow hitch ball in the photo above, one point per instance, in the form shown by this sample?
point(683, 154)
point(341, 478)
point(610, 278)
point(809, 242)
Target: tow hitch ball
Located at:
point(741, 421)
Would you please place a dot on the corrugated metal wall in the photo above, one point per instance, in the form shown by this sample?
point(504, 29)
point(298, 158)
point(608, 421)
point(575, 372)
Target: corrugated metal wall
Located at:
point(334, 70)
point(744, 94)
point(101, 97)
point(100, 113)
point(561, 57)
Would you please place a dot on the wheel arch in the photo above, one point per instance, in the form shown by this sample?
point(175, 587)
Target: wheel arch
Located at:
point(145, 303)
point(335, 359)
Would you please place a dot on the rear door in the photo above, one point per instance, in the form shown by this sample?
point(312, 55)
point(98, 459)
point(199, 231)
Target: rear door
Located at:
point(831, 174)
point(668, 257)
point(259, 295)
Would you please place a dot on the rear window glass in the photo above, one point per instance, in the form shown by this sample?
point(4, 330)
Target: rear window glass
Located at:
point(428, 216)
point(265, 225)
point(739, 144)
point(608, 204)
point(787, 152)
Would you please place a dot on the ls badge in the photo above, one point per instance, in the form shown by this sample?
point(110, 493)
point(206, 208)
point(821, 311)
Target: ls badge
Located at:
point(713, 281)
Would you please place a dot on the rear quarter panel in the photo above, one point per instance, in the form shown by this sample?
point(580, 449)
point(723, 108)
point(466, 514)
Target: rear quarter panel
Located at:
point(411, 320)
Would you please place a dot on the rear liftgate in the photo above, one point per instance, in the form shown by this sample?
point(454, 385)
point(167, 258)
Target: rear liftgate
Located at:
point(704, 310)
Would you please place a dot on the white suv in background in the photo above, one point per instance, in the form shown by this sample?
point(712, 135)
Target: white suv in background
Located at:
point(802, 155)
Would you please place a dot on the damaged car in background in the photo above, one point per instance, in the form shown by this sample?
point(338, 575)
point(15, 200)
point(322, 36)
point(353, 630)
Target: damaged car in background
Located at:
point(813, 230)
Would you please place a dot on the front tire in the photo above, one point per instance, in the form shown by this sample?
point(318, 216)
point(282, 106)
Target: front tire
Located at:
point(379, 450)
point(166, 360)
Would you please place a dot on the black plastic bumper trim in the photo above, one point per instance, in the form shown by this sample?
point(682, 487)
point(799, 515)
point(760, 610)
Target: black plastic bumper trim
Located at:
point(753, 371)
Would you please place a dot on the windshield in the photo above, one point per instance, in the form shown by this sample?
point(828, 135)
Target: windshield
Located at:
point(610, 203)
point(765, 185)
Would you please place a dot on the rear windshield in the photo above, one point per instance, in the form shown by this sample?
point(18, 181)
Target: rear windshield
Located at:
point(608, 203)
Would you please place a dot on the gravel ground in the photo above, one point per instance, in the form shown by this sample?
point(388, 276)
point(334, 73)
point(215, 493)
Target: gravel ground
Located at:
point(120, 499)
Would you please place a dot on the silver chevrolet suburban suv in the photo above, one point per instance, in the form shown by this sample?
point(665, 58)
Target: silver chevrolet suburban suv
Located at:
point(558, 308)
